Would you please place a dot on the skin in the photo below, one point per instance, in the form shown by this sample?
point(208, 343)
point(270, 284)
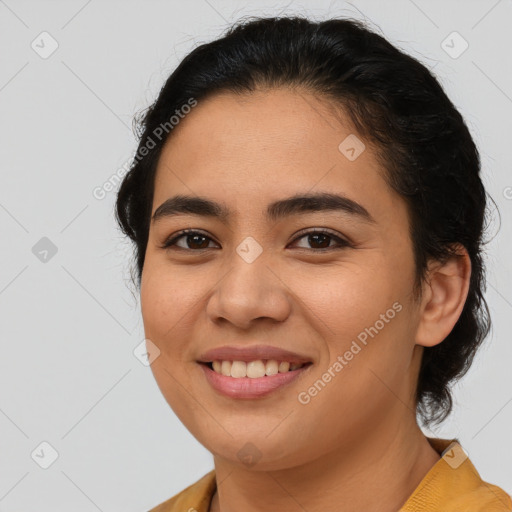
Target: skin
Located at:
point(356, 445)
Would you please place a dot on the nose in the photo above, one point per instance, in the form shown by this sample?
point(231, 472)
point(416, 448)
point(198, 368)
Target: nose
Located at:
point(249, 291)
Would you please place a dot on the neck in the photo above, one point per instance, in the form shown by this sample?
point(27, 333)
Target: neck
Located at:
point(377, 472)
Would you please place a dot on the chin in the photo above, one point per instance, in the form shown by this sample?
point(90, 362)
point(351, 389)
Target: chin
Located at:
point(258, 452)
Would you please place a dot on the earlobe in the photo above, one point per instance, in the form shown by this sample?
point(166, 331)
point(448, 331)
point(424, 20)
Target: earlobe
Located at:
point(444, 295)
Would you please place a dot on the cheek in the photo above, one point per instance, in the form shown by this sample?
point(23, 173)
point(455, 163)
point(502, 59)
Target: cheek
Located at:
point(167, 306)
point(362, 315)
point(348, 296)
point(361, 308)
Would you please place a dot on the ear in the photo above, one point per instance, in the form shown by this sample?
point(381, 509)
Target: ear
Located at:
point(444, 294)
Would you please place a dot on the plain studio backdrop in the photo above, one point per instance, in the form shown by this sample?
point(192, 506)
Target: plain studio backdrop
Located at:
point(83, 424)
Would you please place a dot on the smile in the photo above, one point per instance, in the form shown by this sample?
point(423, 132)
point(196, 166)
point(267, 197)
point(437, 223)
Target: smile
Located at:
point(253, 369)
point(230, 378)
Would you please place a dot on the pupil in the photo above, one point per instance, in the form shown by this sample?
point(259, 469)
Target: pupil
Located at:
point(195, 238)
point(313, 238)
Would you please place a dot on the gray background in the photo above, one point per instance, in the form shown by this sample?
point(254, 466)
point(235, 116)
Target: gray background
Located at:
point(70, 322)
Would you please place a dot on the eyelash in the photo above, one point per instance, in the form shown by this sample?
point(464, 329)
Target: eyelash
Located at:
point(171, 241)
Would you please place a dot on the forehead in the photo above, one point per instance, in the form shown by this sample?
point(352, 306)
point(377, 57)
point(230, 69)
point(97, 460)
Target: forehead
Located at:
point(264, 122)
point(268, 144)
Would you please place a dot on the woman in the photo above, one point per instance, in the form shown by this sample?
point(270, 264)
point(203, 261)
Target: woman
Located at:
point(307, 214)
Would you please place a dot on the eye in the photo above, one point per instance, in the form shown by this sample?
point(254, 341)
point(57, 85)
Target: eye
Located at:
point(321, 240)
point(192, 240)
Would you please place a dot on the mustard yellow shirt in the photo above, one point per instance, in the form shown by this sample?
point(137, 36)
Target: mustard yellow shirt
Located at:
point(452, 485)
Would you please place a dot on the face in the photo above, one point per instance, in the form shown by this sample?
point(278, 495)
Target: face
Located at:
point(328, 279)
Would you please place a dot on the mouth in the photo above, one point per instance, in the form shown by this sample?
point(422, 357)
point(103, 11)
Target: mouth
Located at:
point(252, 380)
point(253, 369)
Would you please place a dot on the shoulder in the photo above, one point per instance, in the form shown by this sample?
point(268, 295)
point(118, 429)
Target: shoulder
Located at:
point(454, 485)
point(194, 498)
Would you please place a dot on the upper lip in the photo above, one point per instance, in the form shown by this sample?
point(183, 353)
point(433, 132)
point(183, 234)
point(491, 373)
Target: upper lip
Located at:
point(251, 353)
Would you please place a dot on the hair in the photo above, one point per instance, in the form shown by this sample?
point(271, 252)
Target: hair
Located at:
point(395, 104)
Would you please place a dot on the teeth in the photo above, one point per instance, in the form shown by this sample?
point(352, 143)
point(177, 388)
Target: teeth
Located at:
point(225, 368)
point(238, 369)
point(284, 366)
point(272, 367)
point(253, 369)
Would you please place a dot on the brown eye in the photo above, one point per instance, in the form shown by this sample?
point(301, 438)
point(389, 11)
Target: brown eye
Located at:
point(188, 240)
point(321, 240)
point(196, 241)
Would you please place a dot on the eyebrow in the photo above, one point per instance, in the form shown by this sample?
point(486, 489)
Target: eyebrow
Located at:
point(297, 204)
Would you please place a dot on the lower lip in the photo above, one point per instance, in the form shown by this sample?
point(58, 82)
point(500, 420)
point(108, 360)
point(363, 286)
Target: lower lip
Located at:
point(246, 387)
